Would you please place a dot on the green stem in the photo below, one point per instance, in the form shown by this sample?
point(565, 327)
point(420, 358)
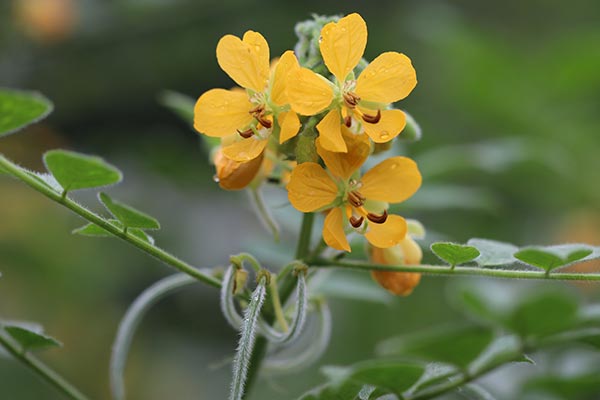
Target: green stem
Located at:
point(303, 247)
point(42, 370)
point(285, 290)
point(262, 211)
point(472, 271)
point(94, 218)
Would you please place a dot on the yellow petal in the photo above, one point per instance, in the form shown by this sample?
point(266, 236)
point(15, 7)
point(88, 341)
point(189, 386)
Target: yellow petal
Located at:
point(333, 230)
point(221, 112)
point(345, 164)
point(307, 92)
point(311, 188)
point(390, 125)
point(245, 150)
point(290, 125)
point(330, 132)
point(245, 60)
point(235, 175)
point(343, 44)
point(388, 78)
point(388, 234)
point(286, 64)
point(392, 180)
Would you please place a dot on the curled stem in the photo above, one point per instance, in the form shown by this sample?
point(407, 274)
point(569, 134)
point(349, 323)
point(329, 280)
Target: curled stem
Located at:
point(130, 322)
point(227, 304)
point(263, 213)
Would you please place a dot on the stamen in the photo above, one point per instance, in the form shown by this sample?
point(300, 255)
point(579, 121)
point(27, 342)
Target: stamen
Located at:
point(264, 122)
point(348, 121)
point(356, 199)
point(372, 119)
point(246, 134)
point(351, 99)
point(356, 222)
point(378, 219)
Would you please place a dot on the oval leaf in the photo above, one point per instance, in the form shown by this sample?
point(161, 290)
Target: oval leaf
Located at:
point(553, 257)
point(454, 254)
point(129, 216)
point(21, 108)
point(30, 340)
point(78, 171)
point(493, 253)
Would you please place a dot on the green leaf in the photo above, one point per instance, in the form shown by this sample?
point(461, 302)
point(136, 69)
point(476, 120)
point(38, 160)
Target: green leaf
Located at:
point(385, 375)
point(29, 339)
point(493, 253)
point(454, 254)
point(543, 314)
point(97, 231)
point(78, 171)
point(129, 216)
point(553, 257)
point(457, 345)
point(435, 374)
point(502, 350)
point(21, 108)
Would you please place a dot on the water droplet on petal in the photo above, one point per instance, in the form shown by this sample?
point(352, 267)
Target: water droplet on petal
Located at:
point(384, 135)
point(257, 48)
point(320, 39)
point(243, 154)
point(216, 178)
point(394, 166)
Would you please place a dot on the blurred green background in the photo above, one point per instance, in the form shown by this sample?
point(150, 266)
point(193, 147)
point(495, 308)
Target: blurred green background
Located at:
point(508, 99)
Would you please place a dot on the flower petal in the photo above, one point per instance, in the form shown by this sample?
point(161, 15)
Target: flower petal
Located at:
point(388, 234)
point(220, 112)
point(245, 149)
point(344, 165)
point(286, 64)
point(392, 180)
point(290, 125)
point(343, 44)
point(388, 78)
point(333, 230)
point(311, 188)
point(330, 132)
point(391, 123)
point(245, 60)
point(308, 93)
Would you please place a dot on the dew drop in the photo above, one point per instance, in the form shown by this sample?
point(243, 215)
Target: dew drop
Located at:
point(243, 154)
point(320, 39)
point(384, 135)
point(394, 166)
point(257, 48)
point(216, 178)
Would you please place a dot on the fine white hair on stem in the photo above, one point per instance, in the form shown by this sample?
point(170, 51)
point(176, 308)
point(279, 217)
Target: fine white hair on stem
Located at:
point(130, 322)
point(241, 361)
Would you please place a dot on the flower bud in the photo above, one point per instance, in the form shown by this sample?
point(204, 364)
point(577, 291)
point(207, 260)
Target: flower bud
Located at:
point(234, 175)
point(407, 252)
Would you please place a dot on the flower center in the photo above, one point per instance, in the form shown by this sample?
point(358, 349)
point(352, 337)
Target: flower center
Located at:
point(357, 201)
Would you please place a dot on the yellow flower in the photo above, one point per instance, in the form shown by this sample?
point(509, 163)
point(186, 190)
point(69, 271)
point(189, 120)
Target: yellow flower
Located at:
point(254, 112)
point(407, 252)
point(354, 199)
point(388, 78)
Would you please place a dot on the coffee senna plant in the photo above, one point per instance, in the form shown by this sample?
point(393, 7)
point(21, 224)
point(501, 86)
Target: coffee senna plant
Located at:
point(319, 122)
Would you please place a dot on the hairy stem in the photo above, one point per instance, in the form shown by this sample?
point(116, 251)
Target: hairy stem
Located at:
point(446, 270)
point(42, 370)
point(94, 218)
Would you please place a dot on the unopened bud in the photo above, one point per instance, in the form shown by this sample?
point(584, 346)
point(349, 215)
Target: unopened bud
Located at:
point(239, 280)
point(234, 175)
point(407, 252)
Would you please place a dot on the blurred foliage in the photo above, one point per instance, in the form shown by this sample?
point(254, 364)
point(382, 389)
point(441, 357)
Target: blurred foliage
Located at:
point(507, 100)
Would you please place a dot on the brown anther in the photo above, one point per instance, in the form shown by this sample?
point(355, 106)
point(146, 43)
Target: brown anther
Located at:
point(372, 119)
point(356, 199)
point(246, 134)
point(264, 122)
point(378, 219)
point(356, 222)
point(348, 121)
point(351, 99)
point(257, 110)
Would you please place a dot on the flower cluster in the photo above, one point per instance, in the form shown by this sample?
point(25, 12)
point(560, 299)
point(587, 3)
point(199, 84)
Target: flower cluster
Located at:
point(311, 126)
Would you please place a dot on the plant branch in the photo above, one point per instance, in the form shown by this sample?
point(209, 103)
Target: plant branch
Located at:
point(42, 370)
point(94, 218)
point(447, 270)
